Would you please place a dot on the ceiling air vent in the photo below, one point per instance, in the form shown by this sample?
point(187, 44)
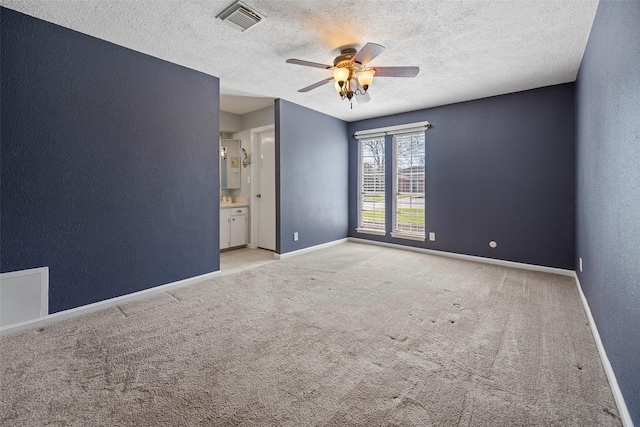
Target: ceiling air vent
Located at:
point(240, 16)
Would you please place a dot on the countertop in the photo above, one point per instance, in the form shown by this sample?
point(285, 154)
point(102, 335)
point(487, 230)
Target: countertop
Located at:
point(234, 205)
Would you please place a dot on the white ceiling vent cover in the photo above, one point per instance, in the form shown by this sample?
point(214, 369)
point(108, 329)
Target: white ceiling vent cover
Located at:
point(240, 16)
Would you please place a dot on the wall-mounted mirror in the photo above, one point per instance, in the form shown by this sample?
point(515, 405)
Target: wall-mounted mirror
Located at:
point(230, 163)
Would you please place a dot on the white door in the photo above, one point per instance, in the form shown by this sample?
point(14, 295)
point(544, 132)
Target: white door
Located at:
point(265, 197)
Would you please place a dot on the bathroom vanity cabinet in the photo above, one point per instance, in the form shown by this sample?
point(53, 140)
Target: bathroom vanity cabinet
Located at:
point(233, 226)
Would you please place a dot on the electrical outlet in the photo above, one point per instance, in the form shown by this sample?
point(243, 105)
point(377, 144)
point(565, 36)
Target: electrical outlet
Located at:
point(295, 236)
point(580, 259)
point(432, 236)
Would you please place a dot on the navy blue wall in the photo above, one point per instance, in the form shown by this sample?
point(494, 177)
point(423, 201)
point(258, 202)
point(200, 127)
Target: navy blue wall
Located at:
point(311, 177)
point(608, 187)
point(499, 168)
point(109, 164)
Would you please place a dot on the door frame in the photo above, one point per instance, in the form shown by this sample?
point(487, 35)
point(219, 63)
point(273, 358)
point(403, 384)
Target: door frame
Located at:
point(255, 173)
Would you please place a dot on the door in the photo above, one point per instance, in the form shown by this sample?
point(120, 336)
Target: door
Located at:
point(266, 195)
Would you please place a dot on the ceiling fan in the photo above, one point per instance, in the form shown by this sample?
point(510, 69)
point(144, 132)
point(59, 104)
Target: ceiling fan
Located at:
point(351, 74)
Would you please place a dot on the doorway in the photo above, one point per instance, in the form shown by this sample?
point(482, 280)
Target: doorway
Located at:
point(263, 186)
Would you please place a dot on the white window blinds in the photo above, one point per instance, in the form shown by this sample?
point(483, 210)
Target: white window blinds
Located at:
point(371, 186)
point(409, 185)
point(405, 210)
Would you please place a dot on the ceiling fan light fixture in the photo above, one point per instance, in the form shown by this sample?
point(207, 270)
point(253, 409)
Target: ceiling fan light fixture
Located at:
point(351, 76)
point(365, 78)
point(341, 75)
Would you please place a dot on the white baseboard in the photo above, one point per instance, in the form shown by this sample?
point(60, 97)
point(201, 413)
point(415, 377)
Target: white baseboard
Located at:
point(613, 383)
point(74, 312)
point(615, 389)
point(473, 258)
point(311, 248)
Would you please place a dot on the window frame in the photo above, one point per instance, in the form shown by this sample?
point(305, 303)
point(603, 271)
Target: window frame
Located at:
point(362, 226)
point(396, 230)
point(389, 171)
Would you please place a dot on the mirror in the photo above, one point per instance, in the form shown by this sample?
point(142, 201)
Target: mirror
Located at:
point(230, 163)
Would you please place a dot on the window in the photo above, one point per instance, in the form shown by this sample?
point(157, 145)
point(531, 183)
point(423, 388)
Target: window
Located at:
point(399, 206)
point(409, 185)
point(371, 191)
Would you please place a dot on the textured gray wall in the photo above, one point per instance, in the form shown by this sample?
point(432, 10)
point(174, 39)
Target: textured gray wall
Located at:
point(109, 164)
point(499, 168)
point(608, 187)
point(311, 177)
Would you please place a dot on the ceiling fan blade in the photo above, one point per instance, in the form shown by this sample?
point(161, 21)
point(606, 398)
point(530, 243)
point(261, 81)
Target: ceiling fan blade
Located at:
point(307, 63)
point(315, 85)
point(367, 53)
point(364, 98)
point(396, 71)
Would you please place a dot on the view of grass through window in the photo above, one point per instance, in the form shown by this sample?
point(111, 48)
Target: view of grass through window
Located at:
point(372, 184)
point(407, 190)
point(409, 183)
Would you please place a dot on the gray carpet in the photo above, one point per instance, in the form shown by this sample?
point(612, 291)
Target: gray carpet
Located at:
point(352, 335)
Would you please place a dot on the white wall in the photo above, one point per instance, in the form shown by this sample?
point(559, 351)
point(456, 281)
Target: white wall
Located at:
point(230, 122)
point(255, 119)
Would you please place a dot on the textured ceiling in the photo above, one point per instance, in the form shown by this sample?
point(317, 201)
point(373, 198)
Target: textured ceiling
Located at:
point(465, 49)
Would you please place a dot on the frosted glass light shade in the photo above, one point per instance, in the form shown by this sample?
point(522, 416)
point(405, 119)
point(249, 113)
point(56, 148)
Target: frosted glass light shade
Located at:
point(341, 74)
point(365, 78)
